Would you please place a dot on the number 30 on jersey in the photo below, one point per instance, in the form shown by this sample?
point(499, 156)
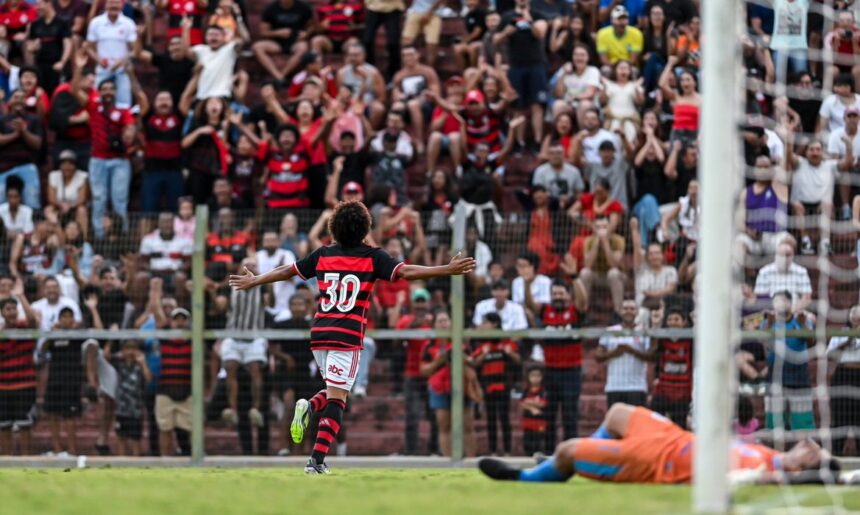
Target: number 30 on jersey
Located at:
point(341, 293)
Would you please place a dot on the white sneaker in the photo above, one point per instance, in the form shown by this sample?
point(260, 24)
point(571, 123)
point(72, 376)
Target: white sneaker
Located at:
point(64, 454)
point(230, 417)
point(359, 391)
point(49, 454)
point(255, 417)
point(746, 389)
point(825, 247)
point(284, 452)
point(806, 247)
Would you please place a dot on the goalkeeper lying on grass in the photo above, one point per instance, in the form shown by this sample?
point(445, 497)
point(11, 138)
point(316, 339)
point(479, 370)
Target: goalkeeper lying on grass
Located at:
point(637, 445)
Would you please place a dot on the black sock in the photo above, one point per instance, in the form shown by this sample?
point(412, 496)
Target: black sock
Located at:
point(329, 425)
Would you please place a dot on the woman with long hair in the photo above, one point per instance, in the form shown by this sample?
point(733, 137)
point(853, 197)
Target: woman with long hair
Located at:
point(620, 98)
point(658, 43)
point(205, 147)
point(685, 101)
point(563, 131)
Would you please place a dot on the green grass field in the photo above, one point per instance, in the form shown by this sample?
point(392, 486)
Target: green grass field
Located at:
point(213, 491)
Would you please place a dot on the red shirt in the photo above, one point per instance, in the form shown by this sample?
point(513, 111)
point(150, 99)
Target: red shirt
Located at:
point(440, 382)
point(17, 18)
point(451, 124)
point(413, 347)
point(674, 369)
point(104, 124)
point(176, 9)
point(288, 181)
point(561, 354)
point(75, 132)
point(386, 292)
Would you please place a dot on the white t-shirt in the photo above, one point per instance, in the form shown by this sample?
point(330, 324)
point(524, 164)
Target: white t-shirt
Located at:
point(541, 290)
point(112, 38)
point(813, 184)
point(283, 290)
point(591, 144)
point(833, 111)
point(21, 223)
point(67, 192)
point(836, 147)
point(620, 99)
point(688, 218)
point(850, 354)
point(513, 315)
point(165, 255)
point(625, 373)
point(775, 145)
point(575, 85)
point(51, 312)
point(216, 79)
point(789, 24)
point(647, 279)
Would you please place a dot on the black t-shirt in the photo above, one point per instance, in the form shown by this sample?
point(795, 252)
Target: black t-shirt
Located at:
point(354, 168)
point(476, 19)
point(551, 9)
point(295, 18)
point(112, 307)
point(678, 11)
point(523, 48)
point(807, 109)
point(173, 75)
point(651, 179)
point(50, 36)
point(259, 113)
point(65, 364)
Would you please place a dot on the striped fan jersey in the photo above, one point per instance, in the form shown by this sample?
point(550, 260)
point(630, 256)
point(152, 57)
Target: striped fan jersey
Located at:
point(345, 277)
point(17, 369)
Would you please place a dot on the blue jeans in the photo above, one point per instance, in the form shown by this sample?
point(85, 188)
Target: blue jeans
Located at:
point(563, 386)
point(123, 84)
point(796, 59)
point(161, 184)
point(651, 71)
point(29, 174)
point(647, 210)
point(362, 378)
point(109, 177)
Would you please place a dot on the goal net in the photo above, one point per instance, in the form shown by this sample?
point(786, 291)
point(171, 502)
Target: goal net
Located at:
point(777, 354)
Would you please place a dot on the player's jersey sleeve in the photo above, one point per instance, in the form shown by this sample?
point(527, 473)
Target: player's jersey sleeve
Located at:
point(306, 268)
point(384, 266)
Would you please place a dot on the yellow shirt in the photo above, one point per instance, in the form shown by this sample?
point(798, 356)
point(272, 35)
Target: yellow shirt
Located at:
point(619, 48)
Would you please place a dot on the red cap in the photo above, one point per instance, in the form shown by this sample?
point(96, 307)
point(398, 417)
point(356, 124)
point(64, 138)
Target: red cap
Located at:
point(456, 79)
point(474, 97)
point(351, 187)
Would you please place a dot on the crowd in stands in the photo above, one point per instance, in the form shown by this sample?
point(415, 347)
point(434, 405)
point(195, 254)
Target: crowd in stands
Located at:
point(567, 130)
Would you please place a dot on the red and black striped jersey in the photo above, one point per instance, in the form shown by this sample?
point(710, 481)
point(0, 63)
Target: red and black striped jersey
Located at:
point(486, 128)
point(674, 369)
point(531, 421)
point(17, 370)
point(561, 353)
point(175, 378)
point(288, 180)
point(496, 368)
point(342, 19)
point(345, 277)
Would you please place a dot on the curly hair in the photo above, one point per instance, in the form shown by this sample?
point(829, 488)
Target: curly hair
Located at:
point(350, 223)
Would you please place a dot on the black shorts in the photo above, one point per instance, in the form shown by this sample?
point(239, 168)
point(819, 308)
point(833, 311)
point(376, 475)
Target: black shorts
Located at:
point(129, 427)
point(16, 408)
point(530, 83)
point(63, 398)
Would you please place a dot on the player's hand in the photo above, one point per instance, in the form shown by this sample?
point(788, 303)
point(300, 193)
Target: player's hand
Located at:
point(244, 281)
point(461, 265)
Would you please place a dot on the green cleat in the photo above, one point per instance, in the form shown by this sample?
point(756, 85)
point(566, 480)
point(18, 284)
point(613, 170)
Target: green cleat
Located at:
point(301, 420)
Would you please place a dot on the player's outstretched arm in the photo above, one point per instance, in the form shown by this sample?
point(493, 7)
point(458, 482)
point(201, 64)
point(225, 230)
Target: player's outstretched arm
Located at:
point(459, 265)
point(248, 280)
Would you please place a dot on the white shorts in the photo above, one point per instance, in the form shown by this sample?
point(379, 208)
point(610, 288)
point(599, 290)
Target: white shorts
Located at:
point(107, 374)
point(244, 351)
point(338, 367)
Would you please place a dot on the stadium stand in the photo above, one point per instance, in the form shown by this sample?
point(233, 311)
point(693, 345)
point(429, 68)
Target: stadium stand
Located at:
point(568, 130)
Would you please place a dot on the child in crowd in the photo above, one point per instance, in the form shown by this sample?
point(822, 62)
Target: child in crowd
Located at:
point(65, 379)
point(533, 403)
point(132, 375)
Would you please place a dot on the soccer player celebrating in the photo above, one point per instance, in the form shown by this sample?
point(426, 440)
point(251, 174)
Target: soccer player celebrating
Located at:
point(637, 445)
point(345, 272)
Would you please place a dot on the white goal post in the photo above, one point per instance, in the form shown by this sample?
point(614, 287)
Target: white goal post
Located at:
point(715, 334)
